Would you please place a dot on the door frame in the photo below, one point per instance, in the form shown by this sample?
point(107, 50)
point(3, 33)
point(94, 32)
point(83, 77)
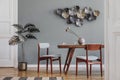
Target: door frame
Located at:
point(14, 49)
point(106, 50)
point(107, 43)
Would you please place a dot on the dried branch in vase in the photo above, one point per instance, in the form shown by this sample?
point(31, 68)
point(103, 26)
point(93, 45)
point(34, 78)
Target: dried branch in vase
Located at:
point(81, 40)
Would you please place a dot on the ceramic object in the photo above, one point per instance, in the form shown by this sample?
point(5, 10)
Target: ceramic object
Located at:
point(81, 41)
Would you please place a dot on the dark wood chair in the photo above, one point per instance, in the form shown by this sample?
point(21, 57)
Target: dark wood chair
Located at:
point(88, 59)
point(47, 56)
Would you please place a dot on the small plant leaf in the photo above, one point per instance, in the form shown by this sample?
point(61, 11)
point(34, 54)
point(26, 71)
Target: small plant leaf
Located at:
point(30, 36)
point(14, 40)
point(33, 30)
point(18, 26)
point(29, 25)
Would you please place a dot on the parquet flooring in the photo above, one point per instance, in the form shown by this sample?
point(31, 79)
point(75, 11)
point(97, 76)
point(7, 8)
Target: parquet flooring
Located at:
point(33, 73)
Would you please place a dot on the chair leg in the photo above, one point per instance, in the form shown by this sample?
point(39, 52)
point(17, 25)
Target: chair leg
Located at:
point(101, 69)
point(47, 66)
point(87, 69)
point(90, 69)
point(51, 65)
point(60, 64)
point(38, 66)
point(76, 67)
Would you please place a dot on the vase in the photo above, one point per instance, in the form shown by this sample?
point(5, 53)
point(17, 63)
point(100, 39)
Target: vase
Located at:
point(81, 41)
point(22, 66)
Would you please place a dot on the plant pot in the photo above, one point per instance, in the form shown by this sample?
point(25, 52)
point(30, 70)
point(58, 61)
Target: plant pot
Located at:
point(22, 66)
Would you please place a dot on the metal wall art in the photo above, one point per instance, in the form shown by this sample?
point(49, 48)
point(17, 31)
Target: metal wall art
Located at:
point(76, 15)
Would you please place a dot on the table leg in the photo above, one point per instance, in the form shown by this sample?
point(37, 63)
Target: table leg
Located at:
point(68, 59)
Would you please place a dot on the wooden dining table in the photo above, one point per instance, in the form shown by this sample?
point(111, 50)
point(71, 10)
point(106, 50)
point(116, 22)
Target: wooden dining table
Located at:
point(71, 49)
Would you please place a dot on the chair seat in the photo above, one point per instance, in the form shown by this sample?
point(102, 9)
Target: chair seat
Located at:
point(55, 55)
point(91, 58)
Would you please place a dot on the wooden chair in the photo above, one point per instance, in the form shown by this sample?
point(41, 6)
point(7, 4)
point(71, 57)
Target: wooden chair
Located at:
point(89, 60)
point(47, 57)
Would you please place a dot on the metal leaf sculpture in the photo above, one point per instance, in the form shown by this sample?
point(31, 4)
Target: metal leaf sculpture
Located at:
point(76, 15)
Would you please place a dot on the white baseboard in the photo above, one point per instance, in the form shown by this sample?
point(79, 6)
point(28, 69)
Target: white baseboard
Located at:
point(72, 67)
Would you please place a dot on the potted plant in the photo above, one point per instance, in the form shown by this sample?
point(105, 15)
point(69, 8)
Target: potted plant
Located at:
point(23, 34)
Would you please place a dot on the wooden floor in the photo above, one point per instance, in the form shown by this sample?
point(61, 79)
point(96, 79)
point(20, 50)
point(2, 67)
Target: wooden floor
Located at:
point(33, 73)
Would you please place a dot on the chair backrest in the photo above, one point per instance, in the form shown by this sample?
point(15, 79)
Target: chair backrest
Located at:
point(94, 47)
point(43, 46)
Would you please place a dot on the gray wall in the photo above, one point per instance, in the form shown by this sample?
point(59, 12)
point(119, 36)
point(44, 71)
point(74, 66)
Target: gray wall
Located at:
point(52, 27)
